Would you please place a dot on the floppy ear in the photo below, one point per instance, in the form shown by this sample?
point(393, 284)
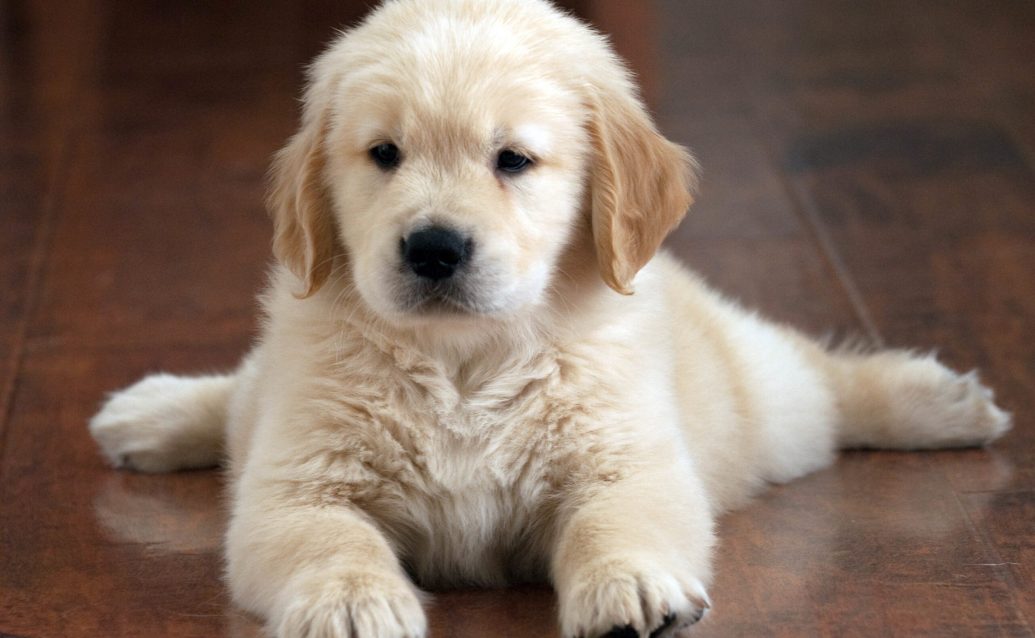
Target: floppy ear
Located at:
point(304, 237)
point(640, 185)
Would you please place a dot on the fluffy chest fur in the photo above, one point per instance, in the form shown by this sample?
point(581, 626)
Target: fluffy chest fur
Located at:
point(453, 462)
point(474, 447)
point(458, 458)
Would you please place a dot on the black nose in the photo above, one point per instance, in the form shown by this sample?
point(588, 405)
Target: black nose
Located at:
point(434, 253)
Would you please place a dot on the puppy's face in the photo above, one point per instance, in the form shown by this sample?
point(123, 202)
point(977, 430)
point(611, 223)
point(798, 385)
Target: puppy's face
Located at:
point(455, 188)
point(449, 150)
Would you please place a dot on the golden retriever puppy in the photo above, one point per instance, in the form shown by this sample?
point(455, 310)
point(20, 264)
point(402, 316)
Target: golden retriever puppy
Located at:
point(474, 368)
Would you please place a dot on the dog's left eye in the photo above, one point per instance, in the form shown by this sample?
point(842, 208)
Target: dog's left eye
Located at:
point(510, 162)
point(386, 155)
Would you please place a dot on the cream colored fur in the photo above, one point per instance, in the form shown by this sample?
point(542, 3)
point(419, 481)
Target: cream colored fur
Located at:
point(554, 429)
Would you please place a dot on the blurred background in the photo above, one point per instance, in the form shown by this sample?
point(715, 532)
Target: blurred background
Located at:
point(869, 171)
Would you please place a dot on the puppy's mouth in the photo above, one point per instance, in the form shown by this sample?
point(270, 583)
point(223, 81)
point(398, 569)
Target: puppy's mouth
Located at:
point(441, 298)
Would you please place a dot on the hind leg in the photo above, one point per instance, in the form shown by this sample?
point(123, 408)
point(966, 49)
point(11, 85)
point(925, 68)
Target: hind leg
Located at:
point(165, 423)
point(896, 399)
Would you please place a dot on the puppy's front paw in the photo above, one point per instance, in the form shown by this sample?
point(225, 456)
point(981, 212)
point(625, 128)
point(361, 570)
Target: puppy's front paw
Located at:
point(628, 598)
point(353, 605)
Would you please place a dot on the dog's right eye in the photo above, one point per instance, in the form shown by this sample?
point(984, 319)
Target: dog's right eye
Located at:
point(386, 155)
point(509, 161)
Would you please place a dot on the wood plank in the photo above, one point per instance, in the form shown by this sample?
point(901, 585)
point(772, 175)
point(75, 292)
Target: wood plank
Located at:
point(163, 206)
point(924, 188)
point(22, 244)
point(848, 552)
point(516, 612)
point(168, 160)
point(87, 550)
point(743, 234)
point(36, 84)
point(1006, 519)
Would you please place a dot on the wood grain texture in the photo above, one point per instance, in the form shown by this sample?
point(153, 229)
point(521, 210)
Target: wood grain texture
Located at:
point(869, 169)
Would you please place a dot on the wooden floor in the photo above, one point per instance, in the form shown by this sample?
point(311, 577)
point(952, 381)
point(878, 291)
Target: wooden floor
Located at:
point(869, 170)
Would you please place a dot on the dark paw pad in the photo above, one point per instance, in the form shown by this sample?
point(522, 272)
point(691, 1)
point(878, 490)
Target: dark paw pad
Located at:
point(666, 622)
point(696, 616)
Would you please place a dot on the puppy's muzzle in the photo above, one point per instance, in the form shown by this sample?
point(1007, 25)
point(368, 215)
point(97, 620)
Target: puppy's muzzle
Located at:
point(435, 253)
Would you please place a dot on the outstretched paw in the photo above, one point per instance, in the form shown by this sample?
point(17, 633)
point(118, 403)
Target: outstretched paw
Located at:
point(164, 423)
point(355, 605)
point(950, 409)
point(631, 599)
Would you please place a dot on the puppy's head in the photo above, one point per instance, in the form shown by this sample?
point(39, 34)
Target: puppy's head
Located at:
point(451, 151)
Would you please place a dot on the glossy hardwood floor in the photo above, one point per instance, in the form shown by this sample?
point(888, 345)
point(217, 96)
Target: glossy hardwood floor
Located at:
point(869, 170)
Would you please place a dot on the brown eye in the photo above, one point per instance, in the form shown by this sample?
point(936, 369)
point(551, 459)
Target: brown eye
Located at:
point(386, 155)
point(510, 162)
